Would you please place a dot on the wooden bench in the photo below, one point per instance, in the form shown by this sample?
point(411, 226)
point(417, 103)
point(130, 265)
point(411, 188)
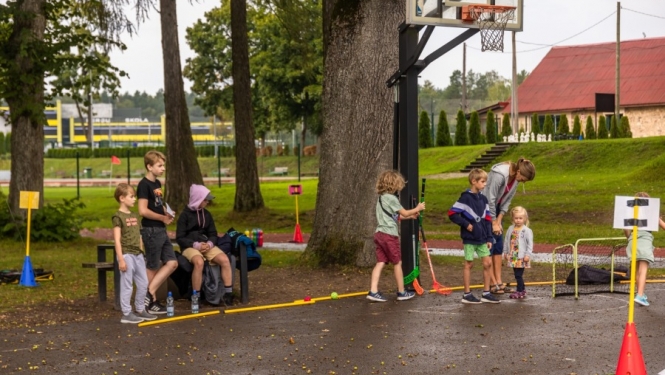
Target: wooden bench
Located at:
point(279, 171)
point(102, 266)
point(224, 172)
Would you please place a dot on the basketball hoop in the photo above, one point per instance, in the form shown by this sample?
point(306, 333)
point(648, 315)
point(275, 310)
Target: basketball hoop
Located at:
point(492, 20)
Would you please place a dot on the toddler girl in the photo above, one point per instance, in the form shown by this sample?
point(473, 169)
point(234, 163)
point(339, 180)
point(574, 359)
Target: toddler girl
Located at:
point(519, 248)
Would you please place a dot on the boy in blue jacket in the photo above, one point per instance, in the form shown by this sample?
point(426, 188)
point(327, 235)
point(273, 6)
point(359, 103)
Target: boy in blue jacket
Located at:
point(472, 213)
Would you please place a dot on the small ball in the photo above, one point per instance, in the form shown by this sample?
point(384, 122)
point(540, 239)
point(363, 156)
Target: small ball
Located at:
point(307, 298)
point(334, 295)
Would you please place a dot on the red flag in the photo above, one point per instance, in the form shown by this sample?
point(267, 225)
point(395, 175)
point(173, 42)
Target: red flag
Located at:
point(115, 160)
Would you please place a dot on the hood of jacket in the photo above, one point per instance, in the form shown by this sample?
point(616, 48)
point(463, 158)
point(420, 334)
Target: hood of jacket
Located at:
point(197, 194)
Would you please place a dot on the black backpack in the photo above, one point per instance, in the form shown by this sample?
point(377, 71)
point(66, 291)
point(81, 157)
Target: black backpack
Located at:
point(587, 275)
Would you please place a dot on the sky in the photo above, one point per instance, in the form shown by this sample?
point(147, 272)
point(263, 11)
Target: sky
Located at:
point(546, 23)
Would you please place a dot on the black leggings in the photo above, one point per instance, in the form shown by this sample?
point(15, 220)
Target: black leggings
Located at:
point(519, 273)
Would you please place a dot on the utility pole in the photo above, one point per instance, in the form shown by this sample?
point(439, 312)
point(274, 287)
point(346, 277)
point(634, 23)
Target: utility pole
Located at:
point(464, 78)
point(617, 88)
point(431, 113)
point(513, 102)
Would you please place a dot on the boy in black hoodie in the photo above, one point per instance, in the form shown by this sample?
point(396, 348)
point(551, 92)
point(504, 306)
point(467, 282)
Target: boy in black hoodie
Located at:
point(196, 235)
point(472, 213)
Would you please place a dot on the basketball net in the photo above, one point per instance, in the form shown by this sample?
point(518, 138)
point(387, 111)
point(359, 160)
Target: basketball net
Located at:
point(492, 22)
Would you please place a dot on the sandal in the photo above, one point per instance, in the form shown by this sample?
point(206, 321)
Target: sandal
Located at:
point(497, 290)
point(505, 288)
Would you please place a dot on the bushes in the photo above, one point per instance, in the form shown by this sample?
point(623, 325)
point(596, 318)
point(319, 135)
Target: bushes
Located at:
point(443, 131)
point(424, 136)
point(506, 128)
point(475, 137)
point(577, 126)
point(602, 128)
point(490, 131)
point(590, 131)
point(134, 152)
point(461, 138)
point(55, 222)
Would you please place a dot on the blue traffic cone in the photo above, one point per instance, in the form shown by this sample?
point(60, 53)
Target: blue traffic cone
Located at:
point(27, 275)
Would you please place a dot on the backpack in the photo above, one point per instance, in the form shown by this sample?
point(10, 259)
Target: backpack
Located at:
point(231, 242)
point(212, 287)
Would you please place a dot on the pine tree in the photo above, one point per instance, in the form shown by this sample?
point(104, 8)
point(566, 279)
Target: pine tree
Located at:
point(506, 129)
point(474, 129)
point(535, 124)
point(461, 138)
point(548, 126)
point(625, 127)
point(602, 128)
point(443, 131)
point(424, 136)
point(590, 132)
point(577, 127)
point(563, 126)
point(490, 131)
point(615, 130)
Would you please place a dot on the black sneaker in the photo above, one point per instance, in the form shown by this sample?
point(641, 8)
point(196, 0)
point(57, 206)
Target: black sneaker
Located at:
point(470, 298)
point(147, 300)
point(228, 299)
point(156, 308)
point(489, 298)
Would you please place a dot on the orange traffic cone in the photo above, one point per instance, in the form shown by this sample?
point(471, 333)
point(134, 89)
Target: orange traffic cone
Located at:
point(630, 357)
point(297, 234)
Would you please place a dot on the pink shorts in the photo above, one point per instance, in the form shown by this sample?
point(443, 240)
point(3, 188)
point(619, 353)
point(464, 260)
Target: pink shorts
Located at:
point(387, 248)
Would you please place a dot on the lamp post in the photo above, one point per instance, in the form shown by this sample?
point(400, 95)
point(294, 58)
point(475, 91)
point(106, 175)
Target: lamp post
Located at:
point(431, 111)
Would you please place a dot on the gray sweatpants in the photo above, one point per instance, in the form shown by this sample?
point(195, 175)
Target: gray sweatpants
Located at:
point(135, 272)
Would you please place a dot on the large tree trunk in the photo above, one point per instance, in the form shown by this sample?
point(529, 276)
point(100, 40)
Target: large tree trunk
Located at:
point(248, 192)
point(27, 107)
point(361, 53)
point(182, 167)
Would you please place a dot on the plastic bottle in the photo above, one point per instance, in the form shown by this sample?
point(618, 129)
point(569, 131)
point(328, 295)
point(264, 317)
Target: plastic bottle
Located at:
point(255, 235)
point(170, 308)
point(260, 241)
point(247, 233)
point(195, 303)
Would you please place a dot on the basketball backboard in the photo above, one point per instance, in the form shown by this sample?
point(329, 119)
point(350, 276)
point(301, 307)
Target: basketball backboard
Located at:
point(449, 12)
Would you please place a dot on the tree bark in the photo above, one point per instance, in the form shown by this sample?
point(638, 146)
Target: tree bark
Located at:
point(182, 167)
point(248, 192)
point(361, 53)
point(27, 108)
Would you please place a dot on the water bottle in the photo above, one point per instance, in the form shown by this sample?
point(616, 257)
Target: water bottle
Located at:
point(247, 233)
point(170, 308)
point(195, 303)
point(255, 235)
point(259, 243)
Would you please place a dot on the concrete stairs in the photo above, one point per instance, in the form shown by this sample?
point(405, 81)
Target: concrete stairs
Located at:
point(489, 156)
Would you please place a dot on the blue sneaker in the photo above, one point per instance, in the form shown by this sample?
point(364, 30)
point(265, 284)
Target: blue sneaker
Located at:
point(642, 300)
point(405, 295)
point(489, 298)
point(376, 297)
point(470, 298)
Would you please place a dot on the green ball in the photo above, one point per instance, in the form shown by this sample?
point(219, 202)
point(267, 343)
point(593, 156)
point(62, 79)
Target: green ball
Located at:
point(334, 295)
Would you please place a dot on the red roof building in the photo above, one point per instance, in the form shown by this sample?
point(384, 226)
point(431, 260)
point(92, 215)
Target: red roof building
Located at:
point(567, 79)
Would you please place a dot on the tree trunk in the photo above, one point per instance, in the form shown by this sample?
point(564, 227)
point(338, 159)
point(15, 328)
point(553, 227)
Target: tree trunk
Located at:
point(27, 107)
point(181, 164)
point(361, 53)
point(248, 192)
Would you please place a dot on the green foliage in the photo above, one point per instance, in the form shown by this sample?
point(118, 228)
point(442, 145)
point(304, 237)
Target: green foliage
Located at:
point(424, 135)
point(506, 129)
point(615, 130)
point(286, 63)
point(602, 128)
point(134, 152)
point(2, 143)
point(56, 222)
point(475, 136)
point(548, 125)
point(590, 132)
point(625, 127)
point(461, 137)
point(8, 143)
point(443, 131)
point(563, 126)
point(535, 124)
point(490, 131)
point(577, 126)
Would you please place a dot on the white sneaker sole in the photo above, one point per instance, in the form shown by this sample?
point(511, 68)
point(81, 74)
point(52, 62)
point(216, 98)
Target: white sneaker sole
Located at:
point(376, 299)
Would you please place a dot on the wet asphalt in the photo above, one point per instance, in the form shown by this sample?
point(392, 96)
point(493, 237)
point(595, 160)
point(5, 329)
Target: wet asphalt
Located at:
point(430, 334)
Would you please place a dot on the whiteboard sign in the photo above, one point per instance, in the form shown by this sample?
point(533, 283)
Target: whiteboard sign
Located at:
point(647, 215)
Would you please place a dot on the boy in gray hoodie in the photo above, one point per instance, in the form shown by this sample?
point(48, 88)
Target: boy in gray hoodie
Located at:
point(196, 235)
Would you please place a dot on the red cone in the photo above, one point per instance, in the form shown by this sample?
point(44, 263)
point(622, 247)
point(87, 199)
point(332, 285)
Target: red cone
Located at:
point(630, 357)
point(297, 235)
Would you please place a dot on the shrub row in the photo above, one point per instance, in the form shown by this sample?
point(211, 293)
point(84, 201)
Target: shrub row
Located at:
point(135, 152)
